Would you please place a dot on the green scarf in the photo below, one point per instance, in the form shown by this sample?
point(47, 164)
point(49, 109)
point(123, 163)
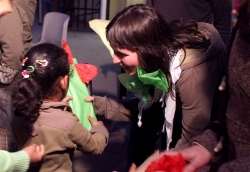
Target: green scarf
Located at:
point(141, 82)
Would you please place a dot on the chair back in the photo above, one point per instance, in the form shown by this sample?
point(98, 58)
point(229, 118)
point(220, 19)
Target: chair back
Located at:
point(55, 28)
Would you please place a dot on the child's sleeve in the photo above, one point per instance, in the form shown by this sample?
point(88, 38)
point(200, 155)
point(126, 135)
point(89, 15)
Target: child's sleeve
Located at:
point(17, 161)
point(116, 110)
point(89, 142)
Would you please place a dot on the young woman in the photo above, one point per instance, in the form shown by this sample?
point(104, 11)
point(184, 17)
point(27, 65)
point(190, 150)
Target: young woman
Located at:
point(41, 117)
point(175, 67)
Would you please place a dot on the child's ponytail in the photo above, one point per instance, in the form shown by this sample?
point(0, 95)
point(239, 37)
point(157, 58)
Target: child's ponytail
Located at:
point(27, 99)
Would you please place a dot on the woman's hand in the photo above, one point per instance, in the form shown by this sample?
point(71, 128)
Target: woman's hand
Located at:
point(89, 99)
point(196, 157)
point(35, 152)
point(95, 122)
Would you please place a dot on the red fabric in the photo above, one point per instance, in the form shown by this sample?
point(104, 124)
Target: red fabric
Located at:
point(68, 50)
point(167, 164)
point(85, 71)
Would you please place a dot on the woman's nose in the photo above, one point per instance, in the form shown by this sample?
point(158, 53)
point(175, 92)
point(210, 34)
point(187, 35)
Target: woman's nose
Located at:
point(116, 59)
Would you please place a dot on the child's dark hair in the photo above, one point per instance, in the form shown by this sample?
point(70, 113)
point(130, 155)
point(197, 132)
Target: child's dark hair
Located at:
point(47, 64)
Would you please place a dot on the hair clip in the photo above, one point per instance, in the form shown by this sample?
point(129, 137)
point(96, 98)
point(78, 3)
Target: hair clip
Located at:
point(42, 62)
point(26, 73)
point(24, 60)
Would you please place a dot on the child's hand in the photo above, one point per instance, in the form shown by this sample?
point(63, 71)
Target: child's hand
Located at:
point(132, 168)
point(223, 83)
point(94, 122)
point(89, 99)
point(35, 152)
point(6, 7)
point(66, 99)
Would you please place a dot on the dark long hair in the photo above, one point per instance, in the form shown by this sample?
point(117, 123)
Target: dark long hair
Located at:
point(141, 28)
point(30, 92)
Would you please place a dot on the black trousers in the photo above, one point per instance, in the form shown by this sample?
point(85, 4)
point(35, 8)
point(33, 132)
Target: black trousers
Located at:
point(142, 142)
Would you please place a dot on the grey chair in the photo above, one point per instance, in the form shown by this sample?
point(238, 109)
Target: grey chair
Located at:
point(55, 28)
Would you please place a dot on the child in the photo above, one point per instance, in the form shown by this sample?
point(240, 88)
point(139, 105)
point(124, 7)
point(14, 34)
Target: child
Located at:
point(43, 118)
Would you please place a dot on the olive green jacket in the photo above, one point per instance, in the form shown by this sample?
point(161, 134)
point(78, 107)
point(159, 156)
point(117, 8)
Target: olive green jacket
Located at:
point(61, 133)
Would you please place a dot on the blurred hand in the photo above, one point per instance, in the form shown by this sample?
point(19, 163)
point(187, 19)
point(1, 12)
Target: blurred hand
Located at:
point(5, 7)
point(89, 99)
point(132, 168)
point(35, 152)
point(196, 157)
point(66, 99)
point(223, 83)
point(95, 122)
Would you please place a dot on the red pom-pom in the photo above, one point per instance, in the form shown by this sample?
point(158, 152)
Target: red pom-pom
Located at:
point(86, 72)
point(167, 164)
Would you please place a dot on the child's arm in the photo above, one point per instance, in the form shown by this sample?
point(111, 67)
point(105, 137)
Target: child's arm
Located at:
point(14, 161)
point(20, 161)
point(115, 110)
point(89, 142)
